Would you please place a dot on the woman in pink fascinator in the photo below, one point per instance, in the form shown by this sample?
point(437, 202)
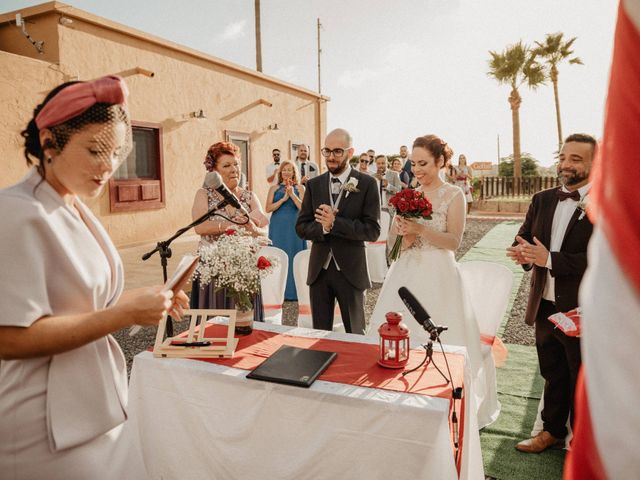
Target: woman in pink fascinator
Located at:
point(63, 379)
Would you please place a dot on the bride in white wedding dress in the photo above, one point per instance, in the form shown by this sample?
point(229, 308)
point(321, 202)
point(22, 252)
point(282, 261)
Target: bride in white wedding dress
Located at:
point(427, 267)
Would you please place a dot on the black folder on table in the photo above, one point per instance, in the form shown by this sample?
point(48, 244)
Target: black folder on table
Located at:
point(293, 366)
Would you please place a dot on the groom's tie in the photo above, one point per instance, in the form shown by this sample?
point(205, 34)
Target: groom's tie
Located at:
point(335, 189)
point(562, 196)
point(303, 170)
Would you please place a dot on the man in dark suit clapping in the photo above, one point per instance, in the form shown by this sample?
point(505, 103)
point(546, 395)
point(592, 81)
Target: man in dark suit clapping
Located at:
point(340, 211)
point(553, 241)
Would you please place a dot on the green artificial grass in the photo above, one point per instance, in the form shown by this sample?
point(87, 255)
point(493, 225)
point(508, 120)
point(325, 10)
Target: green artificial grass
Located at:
point(519, 390)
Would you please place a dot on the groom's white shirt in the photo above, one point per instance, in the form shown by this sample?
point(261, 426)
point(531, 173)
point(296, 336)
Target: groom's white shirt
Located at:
point(343, 178)
point(561, 218)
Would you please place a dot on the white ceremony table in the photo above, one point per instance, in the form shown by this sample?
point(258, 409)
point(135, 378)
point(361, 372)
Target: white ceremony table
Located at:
point(201, 420)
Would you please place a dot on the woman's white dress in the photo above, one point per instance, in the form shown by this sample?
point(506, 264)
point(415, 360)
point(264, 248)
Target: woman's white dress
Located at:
point(431, 274)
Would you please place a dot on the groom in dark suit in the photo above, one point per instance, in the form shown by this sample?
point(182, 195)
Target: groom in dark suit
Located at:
point(340, 211)
point(553, 241)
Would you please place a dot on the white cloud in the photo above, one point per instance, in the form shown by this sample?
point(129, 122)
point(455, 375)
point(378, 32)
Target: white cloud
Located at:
point(356, 78)
point(233, 31)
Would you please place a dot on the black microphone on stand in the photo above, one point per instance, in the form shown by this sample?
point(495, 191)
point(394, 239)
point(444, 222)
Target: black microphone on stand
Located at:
point(424, 319)
point(418, 312)
point(214, 181)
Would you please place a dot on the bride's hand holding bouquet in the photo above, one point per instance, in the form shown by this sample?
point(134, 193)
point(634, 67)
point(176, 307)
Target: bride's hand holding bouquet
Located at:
point(408, 205)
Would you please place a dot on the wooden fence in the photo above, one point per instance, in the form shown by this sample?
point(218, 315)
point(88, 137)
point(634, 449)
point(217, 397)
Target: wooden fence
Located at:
point(514, 186)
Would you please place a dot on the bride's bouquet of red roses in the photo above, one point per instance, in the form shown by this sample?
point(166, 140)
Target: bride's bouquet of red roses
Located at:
point(408, 203)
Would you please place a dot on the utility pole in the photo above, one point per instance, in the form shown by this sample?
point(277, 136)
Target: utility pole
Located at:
point(258, 36)
point(319, 52)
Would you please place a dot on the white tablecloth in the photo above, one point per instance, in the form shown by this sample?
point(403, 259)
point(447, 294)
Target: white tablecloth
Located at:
point(198, 420)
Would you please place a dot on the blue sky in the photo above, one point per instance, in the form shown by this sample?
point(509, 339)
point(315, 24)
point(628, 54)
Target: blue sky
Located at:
point(397, 70)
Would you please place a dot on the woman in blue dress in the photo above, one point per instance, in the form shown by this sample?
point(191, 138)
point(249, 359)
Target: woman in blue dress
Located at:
point(284, 201)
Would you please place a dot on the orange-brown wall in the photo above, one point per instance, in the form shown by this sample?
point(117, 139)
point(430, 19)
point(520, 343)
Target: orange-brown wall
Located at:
point(182, 83)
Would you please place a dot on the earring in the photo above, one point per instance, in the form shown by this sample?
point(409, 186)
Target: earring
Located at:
point(49, 159)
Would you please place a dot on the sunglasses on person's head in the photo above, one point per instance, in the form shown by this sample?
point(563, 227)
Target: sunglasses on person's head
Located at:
point(337, 152)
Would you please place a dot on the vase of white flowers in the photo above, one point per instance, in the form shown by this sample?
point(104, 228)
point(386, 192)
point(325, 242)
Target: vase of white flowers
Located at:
point(233, 262)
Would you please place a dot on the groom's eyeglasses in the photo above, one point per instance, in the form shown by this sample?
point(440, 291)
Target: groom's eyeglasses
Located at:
point(337, 152)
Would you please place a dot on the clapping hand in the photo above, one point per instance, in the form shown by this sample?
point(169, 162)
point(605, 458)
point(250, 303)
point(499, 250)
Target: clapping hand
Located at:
point(527, 253)
point(325, 216)
point(288, 190)
point(515, 254)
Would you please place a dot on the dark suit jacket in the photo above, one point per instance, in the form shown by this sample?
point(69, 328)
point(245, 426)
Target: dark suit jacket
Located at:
point(567, 265)
point(358, 221)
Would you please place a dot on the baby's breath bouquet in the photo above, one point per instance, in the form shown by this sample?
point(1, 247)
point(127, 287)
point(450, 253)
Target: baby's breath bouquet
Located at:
point(232, 262)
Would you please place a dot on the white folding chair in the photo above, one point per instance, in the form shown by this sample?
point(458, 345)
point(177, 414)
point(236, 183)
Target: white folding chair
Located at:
point(488, 286)
point(300, 269)
point(377, 251)
point(274, 285)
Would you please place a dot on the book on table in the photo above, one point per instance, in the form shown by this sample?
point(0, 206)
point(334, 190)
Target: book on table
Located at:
point(293, 366)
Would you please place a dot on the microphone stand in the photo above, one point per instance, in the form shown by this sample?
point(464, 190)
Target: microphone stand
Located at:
point(164, 251)
point(456, 393)
point(428, 359)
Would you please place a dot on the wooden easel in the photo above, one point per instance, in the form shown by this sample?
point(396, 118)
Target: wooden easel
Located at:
point(219, 348)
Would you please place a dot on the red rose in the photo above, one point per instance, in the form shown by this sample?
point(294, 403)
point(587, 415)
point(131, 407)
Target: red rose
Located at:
point(417, 194)
point(413, 204)
point(426, 212)
point(263, 263)
point(403, 205)
point(422, 203)
point(230, 231)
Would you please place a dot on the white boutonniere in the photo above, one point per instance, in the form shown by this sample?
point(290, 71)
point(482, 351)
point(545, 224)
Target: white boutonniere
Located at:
point(582, 205)
point(351, 186)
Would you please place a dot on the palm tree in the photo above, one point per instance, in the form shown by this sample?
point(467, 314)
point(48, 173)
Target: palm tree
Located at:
point(514, 66)
point(553, 50)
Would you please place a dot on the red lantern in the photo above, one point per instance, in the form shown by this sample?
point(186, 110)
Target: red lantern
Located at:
point(394, 342)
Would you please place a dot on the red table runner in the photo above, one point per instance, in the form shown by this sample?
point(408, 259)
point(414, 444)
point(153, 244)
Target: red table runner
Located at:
point(355, 364)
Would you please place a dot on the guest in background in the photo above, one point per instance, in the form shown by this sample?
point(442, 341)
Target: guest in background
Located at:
point(448, 173)
point(407, 176)
point(363, 163)
point(463, 180)
point(272, 168)
point(307, 168)
point(388, 181)
point(223, 158)
point(372, 160)
point(63, 378)
point(396, 166)
point(404, 155)
point(285, 200)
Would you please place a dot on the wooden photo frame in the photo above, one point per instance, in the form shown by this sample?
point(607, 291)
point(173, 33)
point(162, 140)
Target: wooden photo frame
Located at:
point(216, 348)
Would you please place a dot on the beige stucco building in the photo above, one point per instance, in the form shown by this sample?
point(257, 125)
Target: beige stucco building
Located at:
point(170, 85)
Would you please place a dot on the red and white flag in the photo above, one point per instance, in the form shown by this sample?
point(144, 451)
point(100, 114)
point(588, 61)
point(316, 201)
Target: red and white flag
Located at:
point(607, 427)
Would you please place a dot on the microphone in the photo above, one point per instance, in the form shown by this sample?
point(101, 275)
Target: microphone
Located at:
point(417, 310)
point(213, 180)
